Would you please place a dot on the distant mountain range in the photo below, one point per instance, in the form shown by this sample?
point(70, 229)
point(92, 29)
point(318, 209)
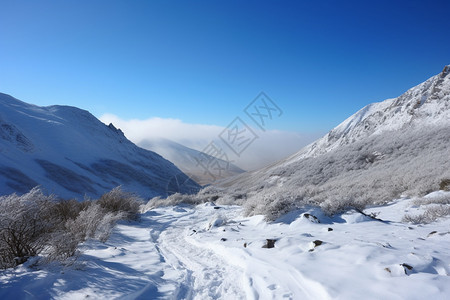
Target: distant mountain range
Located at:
point(192, 162)
point(397, 147)
point(69, 152)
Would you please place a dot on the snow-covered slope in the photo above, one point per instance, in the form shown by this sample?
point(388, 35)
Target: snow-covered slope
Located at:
point(70, 153)
point(191, 161)
point(425, 104)
point(398, 146)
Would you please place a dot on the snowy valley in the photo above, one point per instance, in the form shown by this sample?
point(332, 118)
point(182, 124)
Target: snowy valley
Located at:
point(362, 213)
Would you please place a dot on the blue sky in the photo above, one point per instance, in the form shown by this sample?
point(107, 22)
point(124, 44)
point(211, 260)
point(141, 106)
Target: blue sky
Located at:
point(202, 62)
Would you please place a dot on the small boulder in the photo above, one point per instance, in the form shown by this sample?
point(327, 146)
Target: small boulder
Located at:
point(311, 218)
point(270, 243)
point(407, 268)
point(431, 233)
point(315, 244)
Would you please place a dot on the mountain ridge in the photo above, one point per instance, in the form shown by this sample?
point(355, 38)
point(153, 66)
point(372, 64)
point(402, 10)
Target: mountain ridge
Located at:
point(418, 101)
point(72, 154)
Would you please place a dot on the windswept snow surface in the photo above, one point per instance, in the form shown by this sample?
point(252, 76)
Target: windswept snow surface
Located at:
point(212, 252)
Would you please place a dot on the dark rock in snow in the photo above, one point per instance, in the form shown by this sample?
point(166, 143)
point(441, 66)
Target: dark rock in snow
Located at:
point(270, 243)
point(312, 218)
point(431, 233)
point(406, 267)
point(315, 243)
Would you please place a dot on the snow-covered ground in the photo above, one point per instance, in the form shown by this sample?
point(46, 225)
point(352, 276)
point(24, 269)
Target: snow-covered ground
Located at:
point(212, 252)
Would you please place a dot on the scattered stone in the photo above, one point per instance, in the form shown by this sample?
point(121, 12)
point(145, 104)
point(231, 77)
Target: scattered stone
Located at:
point(245, 245)
point(270, 243)
point(406, 267)
point(315, 244)
point(312, 218)
point(431, 233)
point(330, 229)
point(217, 207)
point(388, 270)
point(223, 239)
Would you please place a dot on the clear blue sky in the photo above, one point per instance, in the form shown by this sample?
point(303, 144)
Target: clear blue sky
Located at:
point(203, 61)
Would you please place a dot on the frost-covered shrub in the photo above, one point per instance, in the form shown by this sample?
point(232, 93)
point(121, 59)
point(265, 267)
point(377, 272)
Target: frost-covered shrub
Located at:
point(430, 215)
point(208, 194)
point(69, 209)
point(271, 203)
point(173, 199)
point(25, 226)
point(119, 201)
point(333, 206)
point(34, 224)
point(278, 207)
point(62, 245)
point(93, 222)
point(438, 199)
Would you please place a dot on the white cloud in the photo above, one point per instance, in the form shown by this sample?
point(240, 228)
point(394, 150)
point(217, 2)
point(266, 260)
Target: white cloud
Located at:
point(269, 147)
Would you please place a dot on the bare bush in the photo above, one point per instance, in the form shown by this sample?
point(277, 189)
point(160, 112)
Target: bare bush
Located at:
point(118, 201)
point(25, 226)
point(93, 222)
point(430, 215)
point(208, 194)
point(69, 209)
point(439, 199)
point(34, 224)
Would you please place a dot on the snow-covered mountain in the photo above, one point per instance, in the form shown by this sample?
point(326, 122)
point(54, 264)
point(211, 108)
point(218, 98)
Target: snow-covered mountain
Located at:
point(425, 104)
point(71, 153)
point(388, 149)
point(191, 161)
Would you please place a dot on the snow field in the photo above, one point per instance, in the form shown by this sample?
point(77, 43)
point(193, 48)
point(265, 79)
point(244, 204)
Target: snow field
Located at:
point(212, 252)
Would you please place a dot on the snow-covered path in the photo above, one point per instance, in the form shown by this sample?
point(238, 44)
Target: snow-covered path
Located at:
point(212, 252)
point(200, 273)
